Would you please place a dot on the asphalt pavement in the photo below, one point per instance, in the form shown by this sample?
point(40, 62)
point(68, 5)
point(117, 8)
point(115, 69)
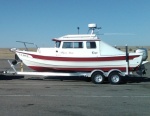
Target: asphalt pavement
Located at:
point(23, 96)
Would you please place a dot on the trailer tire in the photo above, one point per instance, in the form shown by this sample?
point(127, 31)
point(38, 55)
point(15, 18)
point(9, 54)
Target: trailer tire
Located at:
point(98, 77)
point(115, 78)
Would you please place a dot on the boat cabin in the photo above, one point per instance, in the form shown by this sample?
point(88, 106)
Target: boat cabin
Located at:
point(85, 45)
point(81, 45)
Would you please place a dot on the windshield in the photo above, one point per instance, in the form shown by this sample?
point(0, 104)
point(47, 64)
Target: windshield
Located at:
point(57, 44)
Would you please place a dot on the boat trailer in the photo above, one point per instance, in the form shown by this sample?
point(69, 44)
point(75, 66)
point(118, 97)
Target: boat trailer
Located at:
point(97, 76)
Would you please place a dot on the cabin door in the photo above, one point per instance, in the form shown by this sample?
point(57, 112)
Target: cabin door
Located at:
point(92, 48)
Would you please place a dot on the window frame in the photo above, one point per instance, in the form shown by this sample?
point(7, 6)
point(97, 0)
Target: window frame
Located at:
point(58, 45)
point(90, 47)
point(73, 45)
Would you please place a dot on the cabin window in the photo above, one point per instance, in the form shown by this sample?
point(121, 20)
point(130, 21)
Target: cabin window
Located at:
point(90, 45)
point(78, 45)
point(58, 44)
point(72, 45)
point(67, 45)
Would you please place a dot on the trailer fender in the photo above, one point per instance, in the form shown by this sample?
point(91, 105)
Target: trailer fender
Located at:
point(115, 70)
point(97, 71)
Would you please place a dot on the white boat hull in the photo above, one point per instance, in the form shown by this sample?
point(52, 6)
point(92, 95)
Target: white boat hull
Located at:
point(50, 63)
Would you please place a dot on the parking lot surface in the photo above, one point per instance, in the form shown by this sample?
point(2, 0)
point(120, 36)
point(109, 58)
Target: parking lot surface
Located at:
point(24, 96)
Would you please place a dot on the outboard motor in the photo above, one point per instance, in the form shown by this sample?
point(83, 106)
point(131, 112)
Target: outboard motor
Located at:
point(142, 69)
point(144, 51)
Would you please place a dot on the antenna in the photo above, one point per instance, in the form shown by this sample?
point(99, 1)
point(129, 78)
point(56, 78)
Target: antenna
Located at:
point(78, 29)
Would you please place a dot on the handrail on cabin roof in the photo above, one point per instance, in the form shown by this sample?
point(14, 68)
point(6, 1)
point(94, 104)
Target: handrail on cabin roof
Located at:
point(79, 36)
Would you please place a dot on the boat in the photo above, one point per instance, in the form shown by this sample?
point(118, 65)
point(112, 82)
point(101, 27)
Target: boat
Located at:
point(84, 53)
point(79, 52)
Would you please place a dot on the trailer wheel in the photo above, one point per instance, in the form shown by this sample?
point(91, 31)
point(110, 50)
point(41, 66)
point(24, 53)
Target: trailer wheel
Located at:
point(115, 78)
point(98, 77)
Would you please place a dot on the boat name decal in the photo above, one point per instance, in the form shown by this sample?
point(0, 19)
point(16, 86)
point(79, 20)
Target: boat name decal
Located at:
point(24, 55)
point(66, 52)
point(94, 52)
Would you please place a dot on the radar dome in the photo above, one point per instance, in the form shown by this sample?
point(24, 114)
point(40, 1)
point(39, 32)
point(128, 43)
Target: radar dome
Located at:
point(93, 25)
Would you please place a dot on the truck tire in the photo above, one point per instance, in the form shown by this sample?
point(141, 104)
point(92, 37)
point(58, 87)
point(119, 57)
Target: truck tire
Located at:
point(98, 77)
point(115, 78)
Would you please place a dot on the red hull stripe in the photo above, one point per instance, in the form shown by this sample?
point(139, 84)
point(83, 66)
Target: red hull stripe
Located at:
point(113, 58)
point(46, 69)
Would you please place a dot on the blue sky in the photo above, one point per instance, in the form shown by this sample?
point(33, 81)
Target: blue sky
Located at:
point(39, 21)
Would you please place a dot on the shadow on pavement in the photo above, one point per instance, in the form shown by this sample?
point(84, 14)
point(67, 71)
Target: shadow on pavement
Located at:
point(69, 78)
point(10, 77)
point(137, 79)
point(126, 79)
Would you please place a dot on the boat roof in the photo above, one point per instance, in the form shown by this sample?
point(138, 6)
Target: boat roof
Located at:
point(78, 37)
